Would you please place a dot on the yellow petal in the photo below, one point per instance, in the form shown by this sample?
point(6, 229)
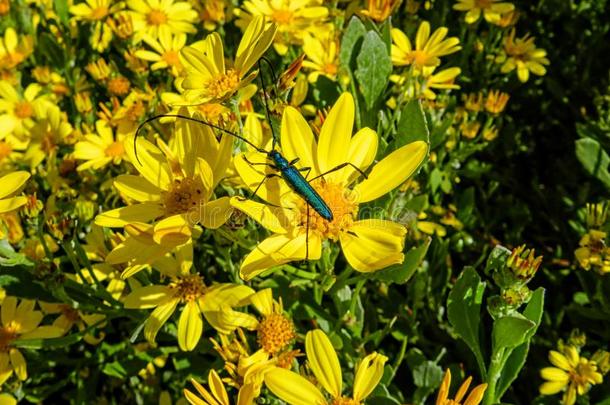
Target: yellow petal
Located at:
point(272, 218)
point(217, 388)
point(392, 171)
point(208, 399)
point(476, 395)
point(256, 40)
point(272, 188)
point(175, 230)
point(362, 152)
point(324, 362)
point(8, 309)
point(335, 135)
point(216, 213)
point(263, 301)
point(368, 375)
point(279, 249)
point(190, 326)
point(157, 319)
point(552, 387)
point(18, 363)
point(7, 399)
point(219, 297)
point(149, 161)
point(298, 140)
point(12, 183)
point(137, 188)
point(559, 360)
point(554, 374)
point(143, 212)
point(43, 332)
point(148, 297)
point(373, 244)
point(292, 388)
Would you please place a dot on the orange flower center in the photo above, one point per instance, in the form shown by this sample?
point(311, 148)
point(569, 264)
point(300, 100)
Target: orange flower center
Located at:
point(275, 332)
point(118, 86)
point(5, 7)
point(116, 149)
point(341, 203)
point(99, 13)
point(184, 195)
point(172, 58)
point(5, 150)
point(189, 288)
point(330, 69)
point(7, 335)
point(223, 85)
point(156, 17)
point(344, 401)
point(47, 143)
point(282, 16)
point(285, 359)
point(212, 111)
point(23, 110)
point(419, 58)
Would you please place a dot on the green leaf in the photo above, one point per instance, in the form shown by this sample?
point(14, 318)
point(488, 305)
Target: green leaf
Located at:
point(594, 159)
point(52, 51)
point(497, 259)
point(515, 362)
point(10, 258)
point(401, 273)
point(412, 125)
point(464, 311)
point(510, 331)
point(18, 282)
point(350, 42)
point(61, 8)
point(374, 68)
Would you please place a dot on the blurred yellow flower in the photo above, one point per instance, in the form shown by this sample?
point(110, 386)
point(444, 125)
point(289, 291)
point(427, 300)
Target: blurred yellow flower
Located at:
point(11, 184)
point(380, 10)
point(14, 50)
point(19, 321)
point(153, 17)
point(523, 56)
point(322, 51)
point(217, 395)
point(166, 51)
point(324, 363)
point(18, 111)
point(474, 398)
point(101, 148)
point(593, 252)
point(98, 12)
point(496, 101)
point(573, 373)
point(212, 12)
point(292, 18)
point(46, 137)
point(207, 78)
point(70, 316)
point(428, 48)
point(368, 244)
point(492, 10)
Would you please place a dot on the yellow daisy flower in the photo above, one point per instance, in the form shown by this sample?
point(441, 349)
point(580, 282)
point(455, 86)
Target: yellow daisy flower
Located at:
point(573, 373)
point(154, 17)
point(324, 363)
point(593, 252)
point(213, 12)
point(428, 48)
point(101, 148)
point(293, 18)
point(207, 78)
point(428, 81)
point(496, 101)
point(98, 12)
point(188, 290)
point(11, 184)
point(19, 321)
point(474, 398)
point(174, 187)
point(14, 50)
point(523, 55)
point(322, 55)
point(46, 136)
point(166, 51)
point(217, 395)
point(368, 244)
point(492, 10)
point(18, 111)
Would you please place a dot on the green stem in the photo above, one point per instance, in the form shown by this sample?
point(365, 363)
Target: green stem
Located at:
point(495, 368)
